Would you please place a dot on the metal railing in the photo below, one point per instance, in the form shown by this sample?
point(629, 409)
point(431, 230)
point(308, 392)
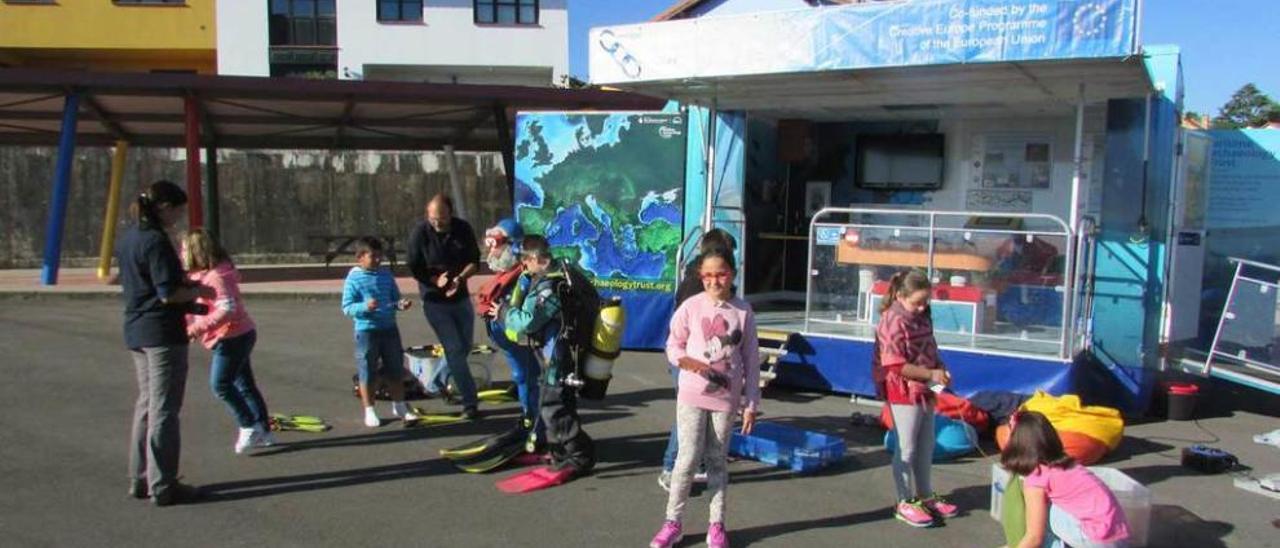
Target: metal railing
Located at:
point(929, 224)
point(1086, 250)
point(1259, 332)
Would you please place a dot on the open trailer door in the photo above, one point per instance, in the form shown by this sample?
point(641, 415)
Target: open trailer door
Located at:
point(1246, 345)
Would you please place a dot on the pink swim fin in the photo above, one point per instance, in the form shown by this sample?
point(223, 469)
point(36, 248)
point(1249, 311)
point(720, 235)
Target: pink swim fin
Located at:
point(534, 480)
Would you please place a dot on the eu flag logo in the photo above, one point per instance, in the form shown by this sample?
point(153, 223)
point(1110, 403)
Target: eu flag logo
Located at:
point(1085, 21)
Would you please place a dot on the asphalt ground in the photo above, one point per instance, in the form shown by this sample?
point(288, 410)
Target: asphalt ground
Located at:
point(69, 393)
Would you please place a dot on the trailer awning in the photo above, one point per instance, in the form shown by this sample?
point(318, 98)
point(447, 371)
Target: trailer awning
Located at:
point(1001, 89)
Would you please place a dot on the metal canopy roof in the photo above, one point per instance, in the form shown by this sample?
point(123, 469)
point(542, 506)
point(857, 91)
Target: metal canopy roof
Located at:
point(148, 109)
point(999, 89)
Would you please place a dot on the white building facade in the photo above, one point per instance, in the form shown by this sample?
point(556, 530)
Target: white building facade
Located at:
point(515, 42)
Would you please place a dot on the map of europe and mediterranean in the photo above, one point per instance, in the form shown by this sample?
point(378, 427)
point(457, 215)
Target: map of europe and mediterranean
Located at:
point(605, 191)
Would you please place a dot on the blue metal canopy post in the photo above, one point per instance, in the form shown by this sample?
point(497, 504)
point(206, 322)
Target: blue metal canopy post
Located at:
point(61, 188)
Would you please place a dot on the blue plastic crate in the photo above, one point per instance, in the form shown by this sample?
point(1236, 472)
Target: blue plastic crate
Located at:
point(786, 447)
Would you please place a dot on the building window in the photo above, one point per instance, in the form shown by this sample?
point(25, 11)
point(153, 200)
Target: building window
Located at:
point(506, 12)
point(303, 23)
point(408, 11)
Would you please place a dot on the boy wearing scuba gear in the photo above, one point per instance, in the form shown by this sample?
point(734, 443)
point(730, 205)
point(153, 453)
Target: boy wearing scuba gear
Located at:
point(535, 311)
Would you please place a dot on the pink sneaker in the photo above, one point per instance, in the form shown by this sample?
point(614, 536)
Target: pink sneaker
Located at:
point(716, 537)
point(668, 536)
point(940, 507)
point(912, 513)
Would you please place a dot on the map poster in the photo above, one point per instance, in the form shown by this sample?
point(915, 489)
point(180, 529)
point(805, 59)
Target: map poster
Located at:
point(604, 188)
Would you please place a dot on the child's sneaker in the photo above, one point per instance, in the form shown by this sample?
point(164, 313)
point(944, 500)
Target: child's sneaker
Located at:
point(402, 411)
point(244, 441)
point(912, 513)
point(371, 418)
point(262, 436)
point(716, 537)
point(668, 536)
point(940, 507)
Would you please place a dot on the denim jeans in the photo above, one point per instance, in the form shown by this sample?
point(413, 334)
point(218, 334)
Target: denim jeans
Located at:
point(669, 457)
point(231, 379)
point(379, 354)
point(454, 325)
point(524, 367)
point(156, 442)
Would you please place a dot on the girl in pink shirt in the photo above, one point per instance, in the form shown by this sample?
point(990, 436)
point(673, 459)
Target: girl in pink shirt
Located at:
point(1080, 510)
point(713, 340)
point(229, 333)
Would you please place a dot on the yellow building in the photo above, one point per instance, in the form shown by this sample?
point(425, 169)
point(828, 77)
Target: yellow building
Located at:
point(109, 35)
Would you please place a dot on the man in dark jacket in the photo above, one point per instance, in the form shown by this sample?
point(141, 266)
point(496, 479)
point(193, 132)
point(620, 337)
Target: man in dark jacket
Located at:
point(443, 254)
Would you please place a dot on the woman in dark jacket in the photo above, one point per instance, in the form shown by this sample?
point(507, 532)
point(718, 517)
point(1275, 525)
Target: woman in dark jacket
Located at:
point(156, 296)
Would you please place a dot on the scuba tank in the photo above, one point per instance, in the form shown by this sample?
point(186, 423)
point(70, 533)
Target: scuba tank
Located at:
point(606, 344)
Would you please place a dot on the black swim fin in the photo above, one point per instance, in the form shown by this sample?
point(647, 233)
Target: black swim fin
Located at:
point(474, 447)
point(488, 453)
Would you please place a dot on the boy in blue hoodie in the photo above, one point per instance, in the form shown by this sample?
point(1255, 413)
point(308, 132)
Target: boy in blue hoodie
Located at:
point(371, 299)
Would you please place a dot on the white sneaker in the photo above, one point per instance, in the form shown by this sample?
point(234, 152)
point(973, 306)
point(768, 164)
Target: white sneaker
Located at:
point(244, 441)
point(402, 411)
point(371, 418)
point(262, 437)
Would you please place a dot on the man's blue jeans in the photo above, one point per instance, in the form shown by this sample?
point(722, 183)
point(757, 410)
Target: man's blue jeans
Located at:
point(454, 325)
point(231, 379)
point(669, 457)
point(524, 367)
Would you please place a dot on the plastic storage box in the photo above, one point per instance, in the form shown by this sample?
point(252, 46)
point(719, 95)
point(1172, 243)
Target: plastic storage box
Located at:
point(787, 447)
point(1133, 497)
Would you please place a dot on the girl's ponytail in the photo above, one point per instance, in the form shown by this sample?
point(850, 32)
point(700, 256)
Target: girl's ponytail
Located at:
point(895, 289)
point(904, 282)
point(143, 209)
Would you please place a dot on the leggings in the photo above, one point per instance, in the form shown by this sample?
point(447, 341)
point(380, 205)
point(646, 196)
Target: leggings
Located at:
point(695, 439)
point(911, 462)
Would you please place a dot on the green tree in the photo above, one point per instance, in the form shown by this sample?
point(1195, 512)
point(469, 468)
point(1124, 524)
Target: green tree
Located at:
point(1248, 107)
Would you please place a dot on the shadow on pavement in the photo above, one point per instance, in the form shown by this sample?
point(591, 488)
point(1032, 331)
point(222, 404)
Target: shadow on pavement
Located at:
point(1176, 526)
point(744, 537)
point(265, 487)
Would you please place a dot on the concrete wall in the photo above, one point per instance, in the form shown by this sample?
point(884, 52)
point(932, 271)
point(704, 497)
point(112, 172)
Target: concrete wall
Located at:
point(448, 35)
point(243, 38)
point(270, 200)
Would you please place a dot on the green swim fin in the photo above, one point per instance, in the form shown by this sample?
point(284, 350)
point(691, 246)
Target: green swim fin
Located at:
point(430, 419)
point(497, 395)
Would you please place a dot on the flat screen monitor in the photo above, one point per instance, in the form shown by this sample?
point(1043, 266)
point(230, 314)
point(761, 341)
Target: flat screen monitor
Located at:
point(900, 162)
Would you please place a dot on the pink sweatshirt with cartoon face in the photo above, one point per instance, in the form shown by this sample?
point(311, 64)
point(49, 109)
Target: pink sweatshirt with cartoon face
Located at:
point(723, 335)
point(227, 316)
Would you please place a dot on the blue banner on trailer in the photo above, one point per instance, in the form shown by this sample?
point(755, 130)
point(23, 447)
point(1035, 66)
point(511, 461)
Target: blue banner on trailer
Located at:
point(861, 36)
point(604, 188)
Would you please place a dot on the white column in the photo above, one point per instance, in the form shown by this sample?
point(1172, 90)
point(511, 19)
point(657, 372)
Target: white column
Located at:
point(1077, 171)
